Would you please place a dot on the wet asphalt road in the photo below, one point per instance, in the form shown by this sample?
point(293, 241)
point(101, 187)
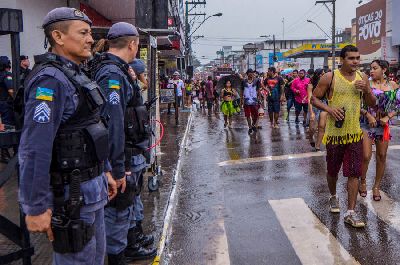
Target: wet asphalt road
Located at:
point(252, 212)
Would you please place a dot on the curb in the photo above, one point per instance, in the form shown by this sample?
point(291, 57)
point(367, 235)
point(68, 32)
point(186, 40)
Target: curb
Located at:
point(172, 200)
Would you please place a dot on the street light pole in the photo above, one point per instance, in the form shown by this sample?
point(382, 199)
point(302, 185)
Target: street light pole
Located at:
point(326, 34)
point(333, 12)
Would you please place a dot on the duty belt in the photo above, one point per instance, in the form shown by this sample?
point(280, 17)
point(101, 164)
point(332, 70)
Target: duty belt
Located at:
point(85, 174)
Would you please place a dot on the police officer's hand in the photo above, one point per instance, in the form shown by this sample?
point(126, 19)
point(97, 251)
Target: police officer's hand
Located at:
point(112, 186)
point(40, 223)
point(121, 183)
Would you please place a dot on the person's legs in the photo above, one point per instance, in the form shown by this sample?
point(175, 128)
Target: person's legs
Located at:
point(297, 107)
point(321, 129)
point(334, 160)
point(247, 114)
point(276, 117)
point(271, 111)
point(254, 116)
point(305, 112)
point(367, 153)
point(230, 120)
point(352, 169)
point(290, 103)
point(225, 120)
point(381, 152)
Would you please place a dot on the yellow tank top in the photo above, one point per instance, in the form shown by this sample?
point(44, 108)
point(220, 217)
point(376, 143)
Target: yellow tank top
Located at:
point(344, 96)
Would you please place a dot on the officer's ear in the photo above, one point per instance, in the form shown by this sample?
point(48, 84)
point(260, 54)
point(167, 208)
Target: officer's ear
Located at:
point(57, 36)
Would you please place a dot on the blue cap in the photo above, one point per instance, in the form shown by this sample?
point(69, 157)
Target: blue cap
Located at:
point(138, 66)
point(4, 60)
point(65, 14)
point(122, 29)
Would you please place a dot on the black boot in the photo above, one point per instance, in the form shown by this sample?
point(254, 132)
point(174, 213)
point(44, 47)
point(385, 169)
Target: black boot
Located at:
point(141, 238)
point(137, 252)
point(118, 259)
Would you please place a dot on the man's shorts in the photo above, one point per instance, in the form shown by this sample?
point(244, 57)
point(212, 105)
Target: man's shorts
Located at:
point(251, 111)
point(350, 155)
point(301, 106)
point(274, 106)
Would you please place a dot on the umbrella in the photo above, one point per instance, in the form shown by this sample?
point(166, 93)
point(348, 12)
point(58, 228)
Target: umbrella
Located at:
point(236, 82)
point(286, 71)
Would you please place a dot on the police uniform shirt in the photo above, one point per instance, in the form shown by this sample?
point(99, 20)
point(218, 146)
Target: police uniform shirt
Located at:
point(118, 91)
point(50, 99)
point(6, 83)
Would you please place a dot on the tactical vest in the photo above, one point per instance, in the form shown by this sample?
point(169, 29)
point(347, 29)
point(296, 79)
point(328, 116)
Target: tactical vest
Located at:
point(4, 96)
point(136, 118)
point(81, 143)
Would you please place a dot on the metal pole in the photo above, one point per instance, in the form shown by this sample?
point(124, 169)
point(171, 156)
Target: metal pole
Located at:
point(233, 61)
point(283, 25)
point(333, 35)
point(273, 38)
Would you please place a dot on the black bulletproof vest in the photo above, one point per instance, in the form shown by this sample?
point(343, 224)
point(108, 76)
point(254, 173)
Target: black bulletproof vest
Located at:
point(82, 141)
point(4, 96)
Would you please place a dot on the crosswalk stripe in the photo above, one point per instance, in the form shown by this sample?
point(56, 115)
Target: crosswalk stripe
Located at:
point(387, 209)
point(311, 240)
point(280, 157)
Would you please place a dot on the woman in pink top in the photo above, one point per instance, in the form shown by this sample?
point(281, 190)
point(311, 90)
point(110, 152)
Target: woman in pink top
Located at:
point(299, 87)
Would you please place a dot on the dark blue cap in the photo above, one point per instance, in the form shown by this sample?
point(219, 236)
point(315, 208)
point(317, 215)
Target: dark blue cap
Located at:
point(138, 66)
point(122, 29)
point(65, 14)
point(4, 60)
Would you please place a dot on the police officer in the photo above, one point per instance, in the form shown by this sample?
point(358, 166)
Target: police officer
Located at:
point(137, 240)
point(110, 70)
point(24, 67)
point(63, 189)
point(6, 94)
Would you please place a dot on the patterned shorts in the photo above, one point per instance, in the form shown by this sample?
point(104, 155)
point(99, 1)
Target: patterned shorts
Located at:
point(350, 155)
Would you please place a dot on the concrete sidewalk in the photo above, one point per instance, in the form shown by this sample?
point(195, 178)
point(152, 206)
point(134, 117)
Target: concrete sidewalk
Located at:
point(155, 203)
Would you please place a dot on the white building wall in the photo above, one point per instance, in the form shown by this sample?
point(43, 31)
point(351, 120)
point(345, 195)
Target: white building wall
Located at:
point(33, 12)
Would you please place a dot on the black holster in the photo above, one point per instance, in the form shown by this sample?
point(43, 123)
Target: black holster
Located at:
point(124, 200)
point(71, 234)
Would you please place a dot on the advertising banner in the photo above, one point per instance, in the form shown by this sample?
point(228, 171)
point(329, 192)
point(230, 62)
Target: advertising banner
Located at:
point(371, 28)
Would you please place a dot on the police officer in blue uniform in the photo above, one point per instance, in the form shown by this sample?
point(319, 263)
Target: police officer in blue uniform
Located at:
point(137, 240)
point(113, 74)
point(6, 95)
point(64, 142)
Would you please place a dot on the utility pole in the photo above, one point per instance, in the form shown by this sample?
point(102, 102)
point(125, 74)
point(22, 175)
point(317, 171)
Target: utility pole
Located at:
point(283, 28)
point(273, 39)
point(333, 13)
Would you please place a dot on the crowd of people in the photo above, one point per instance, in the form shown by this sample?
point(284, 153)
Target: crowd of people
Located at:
point(347, 110)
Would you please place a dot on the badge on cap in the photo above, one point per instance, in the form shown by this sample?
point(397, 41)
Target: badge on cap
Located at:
point(114, 98)
point(78, 13)
point(42, 113)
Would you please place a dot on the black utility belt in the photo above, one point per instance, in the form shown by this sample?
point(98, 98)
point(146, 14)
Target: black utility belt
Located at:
point(85, 174)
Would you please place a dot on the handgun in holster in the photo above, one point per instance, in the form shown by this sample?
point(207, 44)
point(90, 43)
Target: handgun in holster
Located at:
point(71, 234)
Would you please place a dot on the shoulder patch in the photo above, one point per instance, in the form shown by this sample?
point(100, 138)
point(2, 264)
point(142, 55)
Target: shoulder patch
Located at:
point(114, 84)
point(44, 93)
point(42, 113)
point(114, 98)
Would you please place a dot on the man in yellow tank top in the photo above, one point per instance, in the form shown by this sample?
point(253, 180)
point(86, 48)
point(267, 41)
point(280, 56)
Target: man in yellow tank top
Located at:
point(344, 89)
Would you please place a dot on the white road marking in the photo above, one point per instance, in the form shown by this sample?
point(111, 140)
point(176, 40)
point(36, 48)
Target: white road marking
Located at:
point(311, 240)
point(280, 157)
point(387, 209)
point(219, 247)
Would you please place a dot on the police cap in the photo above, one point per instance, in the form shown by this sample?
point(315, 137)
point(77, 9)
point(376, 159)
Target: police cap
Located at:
point(4, 60)
point(65, 14)
point(23, 57)
point(122, 29)
point(138, 66)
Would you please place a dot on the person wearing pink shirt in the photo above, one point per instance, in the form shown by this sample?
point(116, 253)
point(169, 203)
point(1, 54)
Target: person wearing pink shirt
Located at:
point(299, 88)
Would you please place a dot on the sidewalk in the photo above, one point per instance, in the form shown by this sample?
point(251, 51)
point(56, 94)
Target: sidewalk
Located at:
point(155, 204)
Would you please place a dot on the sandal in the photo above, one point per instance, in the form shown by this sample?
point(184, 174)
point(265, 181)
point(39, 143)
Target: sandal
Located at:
point(376, 198)
point(362, 190)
